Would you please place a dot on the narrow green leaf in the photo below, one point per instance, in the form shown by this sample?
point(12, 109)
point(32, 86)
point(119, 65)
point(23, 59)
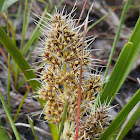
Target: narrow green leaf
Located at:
point(3, 134)
point(130, 121)
point(21, 103)
point(8, 84)
point(23, 80)
point(36, 33)
point(117, 74)
point(19, 59)
point(24, 26)
point(54, 131)
point(119, 120)
point(123, 66)
point(1, 4)
point(9, 3)
point(18, 14)
point(63, 119)
point(32, 127)
point(117, 35)
point(25, 68)
point(9, 118)
point(8, 78)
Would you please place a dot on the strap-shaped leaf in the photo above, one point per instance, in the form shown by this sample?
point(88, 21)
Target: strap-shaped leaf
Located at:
point(133, 116)
point(7, 3)
point(123, 66)
point(19, 59)
point(25, 68)
point(9, 118)
point(1, 4)
point(115, 126)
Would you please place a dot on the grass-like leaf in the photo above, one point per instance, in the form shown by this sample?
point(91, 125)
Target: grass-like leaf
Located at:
point(32, 127)
point(1, 4)
point(115, 126)
point(19, 59)
point(9, 118)
point(21, 103)
point(3, 134)
point(133, 116)
point(63, 119)
point(117, 35)
point(123, 66)
point(25, 68)
point(117, 74)
point(36, 33)
point(9, 3)
point(24, 24)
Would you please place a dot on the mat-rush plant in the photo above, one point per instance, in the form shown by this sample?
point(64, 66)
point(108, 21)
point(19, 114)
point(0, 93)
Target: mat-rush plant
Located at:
point(118, 75)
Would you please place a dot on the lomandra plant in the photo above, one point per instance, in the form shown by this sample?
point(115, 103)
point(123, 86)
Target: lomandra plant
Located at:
point(68, 81)
point(63, 71)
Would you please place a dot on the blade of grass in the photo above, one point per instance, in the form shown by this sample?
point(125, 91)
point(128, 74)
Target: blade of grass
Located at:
point(117, 74)
point(9, 3)
point(3, 134)
point(91, 26)
point(36, 33)
point(63, 119)
point(117, 35)
point(24, 24)
point(50, 5)
point(9, 118)
point(25, 21)
point(27, 58)
point(25, 68)
point(8, 84)
point(30, 51)
point(24, 29)
point(28, 15)
point(18, 14)
point(32, 127)
point(8, 79)
point(21, 83)
point(19, 59)
point(133, 116)
point(21, 103)
point(11, 27)
point(122, 67)
point(1, 4)
point(118, 121)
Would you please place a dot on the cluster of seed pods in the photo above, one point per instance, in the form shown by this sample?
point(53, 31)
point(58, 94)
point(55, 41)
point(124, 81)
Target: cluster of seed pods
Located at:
point(61, 52)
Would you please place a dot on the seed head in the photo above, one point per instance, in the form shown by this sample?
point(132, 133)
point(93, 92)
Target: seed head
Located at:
point(62, 52)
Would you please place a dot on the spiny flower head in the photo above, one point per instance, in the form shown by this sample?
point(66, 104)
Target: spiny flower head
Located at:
point(93, 125)
point(62, 52)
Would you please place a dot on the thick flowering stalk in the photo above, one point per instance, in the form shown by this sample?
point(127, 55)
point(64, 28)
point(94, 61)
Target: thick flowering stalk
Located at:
point(61, 53)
